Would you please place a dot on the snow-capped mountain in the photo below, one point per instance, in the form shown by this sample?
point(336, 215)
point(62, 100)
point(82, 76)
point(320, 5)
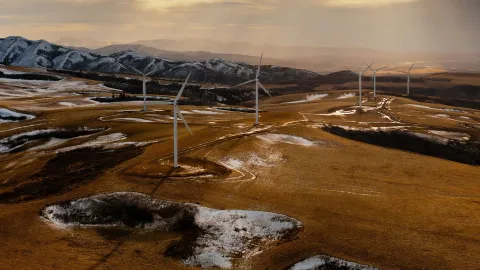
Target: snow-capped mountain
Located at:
point(19, 51)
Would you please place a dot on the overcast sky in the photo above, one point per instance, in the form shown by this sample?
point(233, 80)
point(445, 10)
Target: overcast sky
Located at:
point(390, 25)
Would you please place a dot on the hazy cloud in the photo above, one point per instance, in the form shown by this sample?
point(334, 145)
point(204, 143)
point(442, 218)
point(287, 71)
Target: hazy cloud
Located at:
point(399, 25)
point(364, 3)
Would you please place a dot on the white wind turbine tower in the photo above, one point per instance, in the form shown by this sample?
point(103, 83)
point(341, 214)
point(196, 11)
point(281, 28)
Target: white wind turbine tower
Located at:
point(360, 75)
point(176, 113)
point(408, 79)
point(375, 79)
point(257, 84)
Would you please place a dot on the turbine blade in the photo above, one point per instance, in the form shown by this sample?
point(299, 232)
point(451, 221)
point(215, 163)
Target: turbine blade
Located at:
point(268, 93)
point(242, 83)
point(183, 120)
point(259, 65)
point(148, 74)
point(368, 67)
point(411, 67)
point(183, 87)
point(382, 68)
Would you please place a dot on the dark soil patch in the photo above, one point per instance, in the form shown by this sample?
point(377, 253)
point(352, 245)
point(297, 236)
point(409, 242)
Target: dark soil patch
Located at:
point(463, 152)
point(69, 170)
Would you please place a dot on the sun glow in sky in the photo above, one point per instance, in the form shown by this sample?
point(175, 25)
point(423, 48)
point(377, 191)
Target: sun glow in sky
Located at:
point(392, 25)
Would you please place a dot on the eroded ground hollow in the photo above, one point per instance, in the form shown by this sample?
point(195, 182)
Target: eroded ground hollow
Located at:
point(467, 152)
point(210, 237)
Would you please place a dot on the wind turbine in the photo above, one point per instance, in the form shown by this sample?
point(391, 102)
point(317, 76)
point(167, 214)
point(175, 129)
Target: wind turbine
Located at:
point(257, 84)
point(144, 83)
point(375, 79)
point(360, 84)
point(408, 79)
point(176, 113)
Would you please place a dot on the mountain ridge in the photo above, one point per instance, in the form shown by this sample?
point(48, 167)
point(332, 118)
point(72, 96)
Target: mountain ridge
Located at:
point(19, 51)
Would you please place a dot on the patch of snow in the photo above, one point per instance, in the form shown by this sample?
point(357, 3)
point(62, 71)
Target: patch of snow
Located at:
point(10, 72)
point(138, 120)
point(346, 95)
point(49, 144)
point(6, 113)
point(99, 141)
point(221, 99)
point(340, 112)
point(233, 163)
point(67, 104)
point(4, 143)
point(271, 161)
point(436, 139)
point(206, 112)
point(325, 262)
point(451, 135)
point(441, 115)
point(308, 98)
point(223, 234)
point(233, 232)
point(272, 138)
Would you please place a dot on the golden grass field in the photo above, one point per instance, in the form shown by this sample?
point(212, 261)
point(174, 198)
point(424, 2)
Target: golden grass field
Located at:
point(378, 206)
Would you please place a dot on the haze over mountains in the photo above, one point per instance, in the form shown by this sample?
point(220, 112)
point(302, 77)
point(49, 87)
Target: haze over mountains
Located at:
point(318, 59)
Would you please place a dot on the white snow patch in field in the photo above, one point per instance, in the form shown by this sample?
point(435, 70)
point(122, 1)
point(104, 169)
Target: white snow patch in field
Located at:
point(432, 138)
point(346, 95)
point(323, 262)
point(451, 135)
point(436, 109)
point(138, 120)
point(10, 72)
point(270, 161)
point(233, 232)
point(233, 163)
point(284, 138)
point(4, 148)
point(316, 97)
point(308, 98)
point(441, 115)
point(9, 113)
point(340, 112)
point(205, 112)
point(99, 141)
point(49, 144)
point(68, 104)
point(423, 107)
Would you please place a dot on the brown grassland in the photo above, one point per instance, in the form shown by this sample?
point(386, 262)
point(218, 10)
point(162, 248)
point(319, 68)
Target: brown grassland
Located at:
point(384, 207)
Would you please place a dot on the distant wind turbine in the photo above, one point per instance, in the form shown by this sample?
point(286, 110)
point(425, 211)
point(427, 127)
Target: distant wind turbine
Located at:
point(408, 79)
point(360, 75)
point(176, 113)
point(257, 84)
point(144, 83)
point(375, 79)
